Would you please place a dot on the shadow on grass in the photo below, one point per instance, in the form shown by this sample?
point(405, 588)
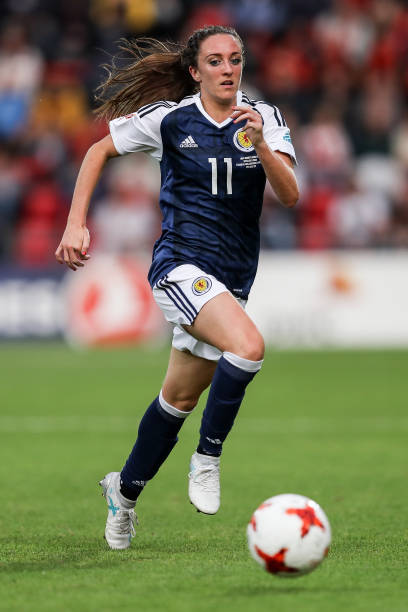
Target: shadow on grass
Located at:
point(39, 554)
point(283, 586)
point(275, 586)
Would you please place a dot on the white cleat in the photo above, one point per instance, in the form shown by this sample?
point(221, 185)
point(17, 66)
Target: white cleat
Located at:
point(119, 529)
point(204, 483)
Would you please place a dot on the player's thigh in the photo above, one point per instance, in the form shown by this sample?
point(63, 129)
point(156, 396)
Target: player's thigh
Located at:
point(223, 323)
point(186, 378)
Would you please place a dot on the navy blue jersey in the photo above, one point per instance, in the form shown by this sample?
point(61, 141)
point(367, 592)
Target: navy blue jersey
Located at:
point(212, 185)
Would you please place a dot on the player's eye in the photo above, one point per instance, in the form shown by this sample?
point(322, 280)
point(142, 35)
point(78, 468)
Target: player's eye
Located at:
point(214, 62)
point(236, 60)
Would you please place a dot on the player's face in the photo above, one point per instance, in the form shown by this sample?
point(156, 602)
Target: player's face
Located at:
point(219, 67)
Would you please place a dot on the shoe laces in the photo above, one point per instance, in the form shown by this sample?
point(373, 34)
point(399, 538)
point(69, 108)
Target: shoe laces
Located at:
point(125, 521)
point(207, 477)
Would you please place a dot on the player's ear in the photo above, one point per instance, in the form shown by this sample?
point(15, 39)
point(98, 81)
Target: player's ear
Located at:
point(195, 73)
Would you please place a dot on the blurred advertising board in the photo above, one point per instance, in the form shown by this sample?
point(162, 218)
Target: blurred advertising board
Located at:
point(30, 304)
point(339, 299)
point(107, 302)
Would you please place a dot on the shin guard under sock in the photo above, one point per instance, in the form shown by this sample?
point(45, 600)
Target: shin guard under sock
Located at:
point(230, 380)
point(157, 436)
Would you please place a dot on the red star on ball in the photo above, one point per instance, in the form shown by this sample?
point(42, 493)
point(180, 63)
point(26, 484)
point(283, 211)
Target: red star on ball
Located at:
point(275, 564)
point(308, 517)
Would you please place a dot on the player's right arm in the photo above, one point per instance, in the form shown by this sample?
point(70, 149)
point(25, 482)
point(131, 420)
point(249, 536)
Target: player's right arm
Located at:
point(74, 245)
point(135, 132)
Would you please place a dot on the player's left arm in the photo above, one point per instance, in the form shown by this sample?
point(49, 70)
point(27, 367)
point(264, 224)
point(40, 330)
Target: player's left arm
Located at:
point(278, 165)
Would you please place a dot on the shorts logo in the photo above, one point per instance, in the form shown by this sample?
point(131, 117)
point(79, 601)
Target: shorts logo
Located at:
point(242, 141)
point(201, 285)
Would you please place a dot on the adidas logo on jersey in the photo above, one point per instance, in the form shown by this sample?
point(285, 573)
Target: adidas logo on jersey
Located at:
point(188, 143)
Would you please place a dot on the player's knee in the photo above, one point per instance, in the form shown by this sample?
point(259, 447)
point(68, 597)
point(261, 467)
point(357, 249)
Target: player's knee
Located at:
point(251, 346)
point(256, 349)
point(186, 404)
point(182, 400)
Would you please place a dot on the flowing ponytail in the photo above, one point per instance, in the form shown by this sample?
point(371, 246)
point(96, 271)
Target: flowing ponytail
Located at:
point(152, 71)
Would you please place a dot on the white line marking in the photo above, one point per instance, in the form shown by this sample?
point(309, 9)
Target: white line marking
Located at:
point(117, 424)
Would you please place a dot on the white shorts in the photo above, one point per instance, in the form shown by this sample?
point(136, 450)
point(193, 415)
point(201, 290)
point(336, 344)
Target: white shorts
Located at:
point(180, 295)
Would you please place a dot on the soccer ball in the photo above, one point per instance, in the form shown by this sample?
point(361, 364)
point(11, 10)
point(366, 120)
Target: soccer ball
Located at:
point(289, 535)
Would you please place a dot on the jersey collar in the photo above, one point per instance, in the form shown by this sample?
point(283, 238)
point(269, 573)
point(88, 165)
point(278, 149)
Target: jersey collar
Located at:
point(207, 116)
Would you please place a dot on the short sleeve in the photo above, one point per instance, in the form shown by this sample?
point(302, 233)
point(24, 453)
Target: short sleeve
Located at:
point(276, 133)
point(140, 132)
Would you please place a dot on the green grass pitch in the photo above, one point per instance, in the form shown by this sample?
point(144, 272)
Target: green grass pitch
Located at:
point(328, 424)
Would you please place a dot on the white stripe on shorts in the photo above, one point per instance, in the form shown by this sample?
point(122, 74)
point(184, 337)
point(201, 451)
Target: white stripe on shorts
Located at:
point(179, 299)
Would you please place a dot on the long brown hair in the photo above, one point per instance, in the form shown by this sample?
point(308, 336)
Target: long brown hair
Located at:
point(152, 71)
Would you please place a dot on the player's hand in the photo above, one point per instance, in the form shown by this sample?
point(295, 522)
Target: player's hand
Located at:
point(253, 126)
point(74, 245)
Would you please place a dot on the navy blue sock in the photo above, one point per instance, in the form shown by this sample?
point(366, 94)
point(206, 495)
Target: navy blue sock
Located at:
point(224, 399)
point(130, 492)
point(157, 436)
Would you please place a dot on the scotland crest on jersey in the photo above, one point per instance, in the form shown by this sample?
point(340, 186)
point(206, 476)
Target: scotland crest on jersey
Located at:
point(242, 141)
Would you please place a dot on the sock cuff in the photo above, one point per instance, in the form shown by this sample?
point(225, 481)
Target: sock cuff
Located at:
point(172, 410)
point(243, 364)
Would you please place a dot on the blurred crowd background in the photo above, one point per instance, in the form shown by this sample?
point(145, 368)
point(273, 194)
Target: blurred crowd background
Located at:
point(338, 70)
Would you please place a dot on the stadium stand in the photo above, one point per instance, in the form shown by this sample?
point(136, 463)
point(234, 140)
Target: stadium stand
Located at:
point(337, 69)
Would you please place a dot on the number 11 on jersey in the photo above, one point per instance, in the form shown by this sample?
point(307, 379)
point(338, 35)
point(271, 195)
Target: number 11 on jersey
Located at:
point(214, 174)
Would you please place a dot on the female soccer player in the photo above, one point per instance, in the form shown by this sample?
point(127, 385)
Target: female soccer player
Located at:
point(216, 149)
